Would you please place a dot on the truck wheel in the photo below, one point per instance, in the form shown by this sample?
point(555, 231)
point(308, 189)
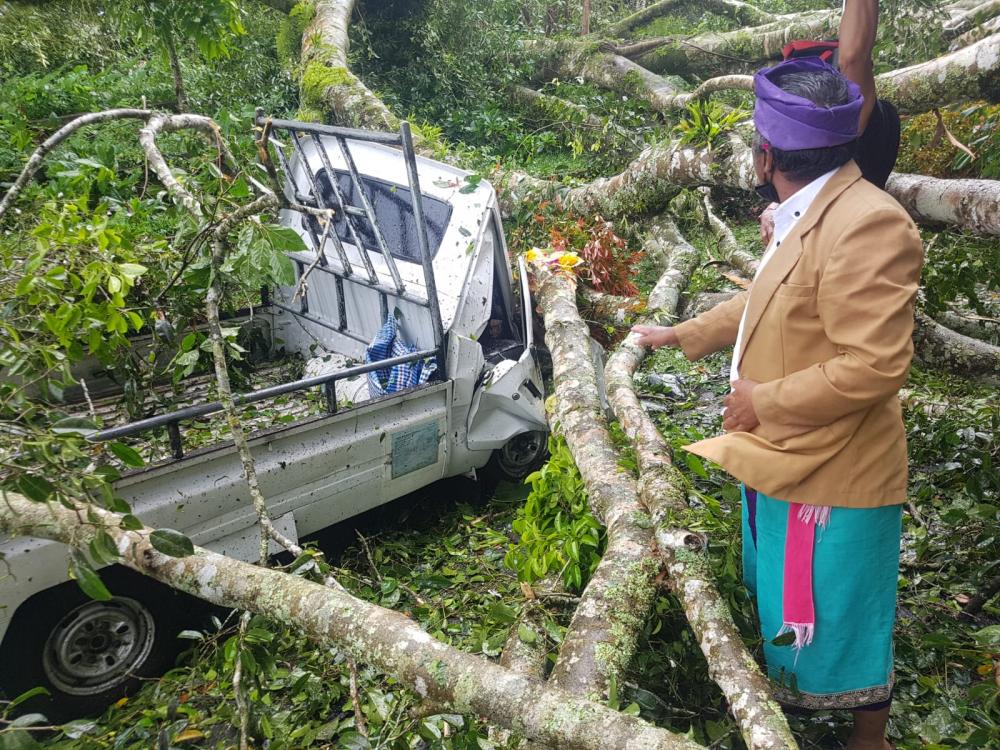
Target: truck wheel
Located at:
point(89, 653)
point(520, 456)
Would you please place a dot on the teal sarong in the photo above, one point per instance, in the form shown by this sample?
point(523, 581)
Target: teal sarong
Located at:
point(848, 665)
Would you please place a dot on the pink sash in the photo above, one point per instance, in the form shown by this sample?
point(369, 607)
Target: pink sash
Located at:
point(798, 609)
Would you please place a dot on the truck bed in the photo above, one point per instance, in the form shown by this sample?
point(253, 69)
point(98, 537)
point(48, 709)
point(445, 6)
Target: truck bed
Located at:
point(154, 445)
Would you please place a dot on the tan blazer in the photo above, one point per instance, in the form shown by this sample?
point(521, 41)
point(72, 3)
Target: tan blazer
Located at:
point(828, 336)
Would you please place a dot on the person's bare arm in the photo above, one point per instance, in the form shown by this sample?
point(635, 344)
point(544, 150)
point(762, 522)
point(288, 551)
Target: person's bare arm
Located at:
point(858, 27)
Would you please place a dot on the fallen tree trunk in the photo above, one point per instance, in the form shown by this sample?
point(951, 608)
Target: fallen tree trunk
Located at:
point(972, 72)
point(730, 664)
point(971, 325)
point(969, 357)
point(601, 638)
point(970, 204)
point(730, 251)
point(661, 488)
point(704, 301)
point(741, 51)
point(962, 20)
point(610, 308)
point(383, 638)
point(741, 12)
point(656, 174)
point(646, 184)
point(606, 68)
point(328, 90)
point(974, 35)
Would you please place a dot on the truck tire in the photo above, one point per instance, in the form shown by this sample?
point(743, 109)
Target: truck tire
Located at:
point(89, 653)
point(521, 455)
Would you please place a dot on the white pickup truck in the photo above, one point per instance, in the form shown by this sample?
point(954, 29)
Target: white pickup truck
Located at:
point(411, 239)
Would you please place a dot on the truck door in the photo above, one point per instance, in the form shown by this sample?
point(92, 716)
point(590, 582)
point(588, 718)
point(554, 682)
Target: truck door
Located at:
point(510, 401)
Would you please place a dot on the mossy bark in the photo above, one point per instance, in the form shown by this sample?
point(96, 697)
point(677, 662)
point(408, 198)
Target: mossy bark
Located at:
point(603, 632)
point(942, 347)
point(660, 171)
point(326, 84)
point(730, 664)
point(969, 73)
point(970, 204)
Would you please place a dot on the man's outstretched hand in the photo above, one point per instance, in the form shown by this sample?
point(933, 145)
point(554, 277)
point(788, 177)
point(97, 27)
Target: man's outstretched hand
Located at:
point(656, 336)
point(739, 414)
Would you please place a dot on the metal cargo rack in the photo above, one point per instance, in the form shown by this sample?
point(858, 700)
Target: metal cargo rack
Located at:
point(312, 196)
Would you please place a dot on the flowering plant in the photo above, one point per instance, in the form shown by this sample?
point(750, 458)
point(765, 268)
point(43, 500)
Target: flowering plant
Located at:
point(564, 259)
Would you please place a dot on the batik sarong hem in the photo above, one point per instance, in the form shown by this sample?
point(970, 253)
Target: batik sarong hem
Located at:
point(851, 699)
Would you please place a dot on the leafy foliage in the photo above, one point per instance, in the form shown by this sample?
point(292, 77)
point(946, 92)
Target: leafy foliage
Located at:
point(557, 535)
point(48, 36)
point(705, 120)
point(210, 24)
point(960, 269)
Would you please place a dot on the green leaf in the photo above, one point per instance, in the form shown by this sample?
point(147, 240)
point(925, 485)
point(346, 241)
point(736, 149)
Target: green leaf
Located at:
point(88, 579)
point(284, 239)
point(27, 696)
point(989, 636)
point(131, 271)
point(28, 720)
point(131, 523)
point(102, 548)
point(172, 543)
point(74, 426)
point(785, 639)
point(35, 487)
point(695, 465)
point(127, 455)
point(108, 473)
point(19, 740)
point(79, 727)
point(526, 634)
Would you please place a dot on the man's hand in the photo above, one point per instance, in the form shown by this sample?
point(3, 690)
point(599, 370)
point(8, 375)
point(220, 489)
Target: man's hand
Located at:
point(656, 336)
point(739, 414)
point(767, 224)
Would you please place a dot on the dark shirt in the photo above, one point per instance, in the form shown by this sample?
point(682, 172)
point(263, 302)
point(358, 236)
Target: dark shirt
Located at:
point(878, 145)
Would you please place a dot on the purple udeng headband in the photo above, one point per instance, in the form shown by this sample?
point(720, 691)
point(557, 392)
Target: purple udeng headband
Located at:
point(792, 123)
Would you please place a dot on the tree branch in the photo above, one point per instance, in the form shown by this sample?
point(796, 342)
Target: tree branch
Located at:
point(385, 639)
point(969, 357)
point(730, 664)
point(969, 73)
point(34, 162)
point(743, 13)
point(601, 637)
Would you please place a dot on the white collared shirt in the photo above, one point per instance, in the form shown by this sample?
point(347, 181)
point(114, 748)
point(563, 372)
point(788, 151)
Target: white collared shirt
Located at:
point(786, 216)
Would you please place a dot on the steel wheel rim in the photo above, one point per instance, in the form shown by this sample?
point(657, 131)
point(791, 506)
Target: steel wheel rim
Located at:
point(98, 645)
point(521, 451)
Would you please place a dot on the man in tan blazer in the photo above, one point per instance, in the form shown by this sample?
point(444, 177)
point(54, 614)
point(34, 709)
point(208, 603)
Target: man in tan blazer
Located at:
point(813, 426)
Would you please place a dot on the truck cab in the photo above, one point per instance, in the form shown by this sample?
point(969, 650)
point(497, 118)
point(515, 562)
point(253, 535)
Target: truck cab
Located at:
point(419, 364)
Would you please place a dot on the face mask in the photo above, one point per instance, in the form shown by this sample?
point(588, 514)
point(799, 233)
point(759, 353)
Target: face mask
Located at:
point(768, 192)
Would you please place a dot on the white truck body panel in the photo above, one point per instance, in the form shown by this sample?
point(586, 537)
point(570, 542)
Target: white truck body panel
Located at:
point(324, 469)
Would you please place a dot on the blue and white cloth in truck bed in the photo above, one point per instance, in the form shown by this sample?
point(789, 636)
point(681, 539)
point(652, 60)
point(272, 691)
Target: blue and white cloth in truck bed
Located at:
point(388, 343)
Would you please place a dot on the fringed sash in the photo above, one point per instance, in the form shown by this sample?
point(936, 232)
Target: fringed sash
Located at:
point(798, 608)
